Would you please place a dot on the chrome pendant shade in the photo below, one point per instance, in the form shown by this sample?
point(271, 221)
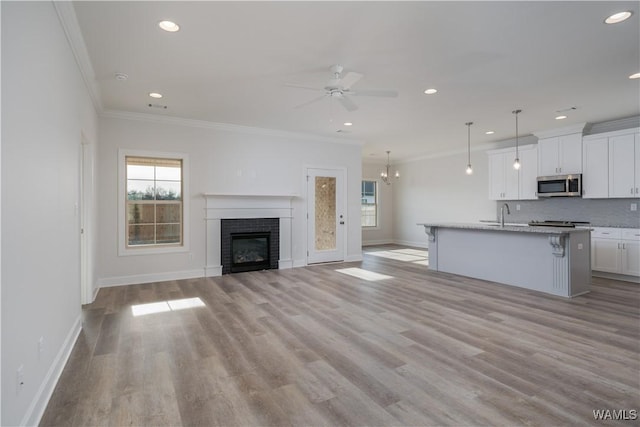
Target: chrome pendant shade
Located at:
point(385, 174)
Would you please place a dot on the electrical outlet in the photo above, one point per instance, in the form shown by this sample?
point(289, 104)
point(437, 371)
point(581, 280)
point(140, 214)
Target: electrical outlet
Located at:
point(19, 379)
point(634, 207)
point(517, 207)
point(580, 246)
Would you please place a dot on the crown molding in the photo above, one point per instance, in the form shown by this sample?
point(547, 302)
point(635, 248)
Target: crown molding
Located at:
point(69, 22)
point(577, 128)
point(203, 124)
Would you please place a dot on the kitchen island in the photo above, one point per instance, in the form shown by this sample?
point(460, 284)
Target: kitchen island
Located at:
point(546, 259)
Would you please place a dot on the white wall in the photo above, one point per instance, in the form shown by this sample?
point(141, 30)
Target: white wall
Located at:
point(45, 108)
point(438, 189)
point(222, 160)
point(383, 233)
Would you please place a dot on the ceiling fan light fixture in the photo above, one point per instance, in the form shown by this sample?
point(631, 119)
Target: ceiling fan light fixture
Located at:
point(469, 169)
point(616, 18)
point(169, 26)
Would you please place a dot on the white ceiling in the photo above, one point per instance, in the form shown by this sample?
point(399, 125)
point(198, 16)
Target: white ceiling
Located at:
point(230, 62)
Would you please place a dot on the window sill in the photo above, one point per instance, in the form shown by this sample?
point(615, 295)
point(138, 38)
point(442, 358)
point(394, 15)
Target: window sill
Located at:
point(152, 250)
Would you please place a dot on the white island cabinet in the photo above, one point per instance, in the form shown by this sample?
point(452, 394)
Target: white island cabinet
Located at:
point(546, 259)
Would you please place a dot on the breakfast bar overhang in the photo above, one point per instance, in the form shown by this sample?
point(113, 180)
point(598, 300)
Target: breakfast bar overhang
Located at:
point(545, 259)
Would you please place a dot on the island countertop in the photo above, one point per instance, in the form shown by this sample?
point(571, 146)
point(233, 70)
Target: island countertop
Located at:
point(520, 228)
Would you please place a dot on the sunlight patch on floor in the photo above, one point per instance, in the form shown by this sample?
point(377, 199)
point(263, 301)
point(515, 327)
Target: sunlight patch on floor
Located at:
point(415, 256)
point(164, 306)
point(364, 274)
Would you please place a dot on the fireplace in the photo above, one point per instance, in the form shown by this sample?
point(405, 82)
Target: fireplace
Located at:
point(249, 251)
point(249, 244)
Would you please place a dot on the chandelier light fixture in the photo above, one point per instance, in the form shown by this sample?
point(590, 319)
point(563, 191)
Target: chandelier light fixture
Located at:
point(516, 162)
point(469, 168)
point(384, 175)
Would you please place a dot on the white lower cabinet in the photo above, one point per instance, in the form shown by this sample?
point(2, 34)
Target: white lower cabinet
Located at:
point(616, 250)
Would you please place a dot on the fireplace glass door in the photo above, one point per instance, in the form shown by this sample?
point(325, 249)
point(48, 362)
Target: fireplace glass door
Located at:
point(249, 251)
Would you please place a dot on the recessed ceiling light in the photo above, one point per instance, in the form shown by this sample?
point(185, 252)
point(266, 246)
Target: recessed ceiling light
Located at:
point(155, 95)
point(121, 76)
point(635, 76)
point(430, 91)
point(169, 26)
point(489, 132)
point(618, 17)
point(561, 117)
point(348, 124)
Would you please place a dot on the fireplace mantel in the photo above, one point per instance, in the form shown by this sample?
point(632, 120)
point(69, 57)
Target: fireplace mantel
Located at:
point(219, 206)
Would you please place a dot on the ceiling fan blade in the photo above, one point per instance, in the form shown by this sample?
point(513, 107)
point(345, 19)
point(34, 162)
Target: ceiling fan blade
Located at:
point(350, 79)
point(376, 92)
point(297, 86)
point(347, 103)
point(309, 102)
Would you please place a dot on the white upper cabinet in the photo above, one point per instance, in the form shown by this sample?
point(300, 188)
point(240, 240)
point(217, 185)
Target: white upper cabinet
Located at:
point(595, 168)
point(528, 184)
point(560, 155)
point(507, 183)
point(624, 165)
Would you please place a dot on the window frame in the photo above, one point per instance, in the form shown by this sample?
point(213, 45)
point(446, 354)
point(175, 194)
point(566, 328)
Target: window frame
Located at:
point(161, 248)
point(377, 204)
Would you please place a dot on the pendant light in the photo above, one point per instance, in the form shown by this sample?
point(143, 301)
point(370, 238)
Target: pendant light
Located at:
point(469, 168)
point(384, 175)
point(516, 162)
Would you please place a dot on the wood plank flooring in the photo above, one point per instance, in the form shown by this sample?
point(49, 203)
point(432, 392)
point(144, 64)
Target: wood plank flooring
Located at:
point(315, 347)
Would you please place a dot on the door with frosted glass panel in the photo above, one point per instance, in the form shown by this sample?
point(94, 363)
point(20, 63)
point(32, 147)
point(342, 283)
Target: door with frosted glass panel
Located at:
point(326, 222)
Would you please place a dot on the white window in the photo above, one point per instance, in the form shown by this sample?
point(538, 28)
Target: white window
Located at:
point(369, 210)
point(153, 212)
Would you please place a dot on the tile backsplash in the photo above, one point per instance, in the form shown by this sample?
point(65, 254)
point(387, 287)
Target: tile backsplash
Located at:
point(599, 212)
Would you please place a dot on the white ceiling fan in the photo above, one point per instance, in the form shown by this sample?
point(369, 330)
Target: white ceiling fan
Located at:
point(339, 87)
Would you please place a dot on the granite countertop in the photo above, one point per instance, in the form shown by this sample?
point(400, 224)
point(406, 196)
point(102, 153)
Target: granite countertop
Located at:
point(520, 228)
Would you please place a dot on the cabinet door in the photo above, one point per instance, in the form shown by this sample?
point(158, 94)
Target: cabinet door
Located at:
point(622, 166)
point(595, 172)
point(605, 255)
point(630, 258)
point(496, 176)
point(511, 176)
point(528, 174)
point(570, 154)
point(548, 156)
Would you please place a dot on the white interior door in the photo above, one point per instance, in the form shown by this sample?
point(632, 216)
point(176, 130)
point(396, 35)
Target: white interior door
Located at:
point(326, 216)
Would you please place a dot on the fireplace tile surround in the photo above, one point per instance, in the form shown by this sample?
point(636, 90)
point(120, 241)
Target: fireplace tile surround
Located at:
point(219, 207)
point(249, 225)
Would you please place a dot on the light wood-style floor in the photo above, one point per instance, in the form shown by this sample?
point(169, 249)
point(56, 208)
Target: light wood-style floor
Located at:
point(314, 346)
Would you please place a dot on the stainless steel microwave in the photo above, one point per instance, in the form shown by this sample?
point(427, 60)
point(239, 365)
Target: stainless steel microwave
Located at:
point(560, 186)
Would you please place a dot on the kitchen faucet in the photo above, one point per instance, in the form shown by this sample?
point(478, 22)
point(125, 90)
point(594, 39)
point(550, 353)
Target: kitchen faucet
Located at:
point(502, 213)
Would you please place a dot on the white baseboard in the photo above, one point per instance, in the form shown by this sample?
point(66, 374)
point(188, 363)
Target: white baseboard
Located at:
point(353, 258)
point(424, 244)
point(213, 271)
point(299, 263)
point(285, 264)
point(149, 278)
point(377, 242)
point(40, 401)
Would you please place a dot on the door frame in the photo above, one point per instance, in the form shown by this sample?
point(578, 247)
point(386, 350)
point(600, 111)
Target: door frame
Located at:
point(345, 187)
point(85, 210)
